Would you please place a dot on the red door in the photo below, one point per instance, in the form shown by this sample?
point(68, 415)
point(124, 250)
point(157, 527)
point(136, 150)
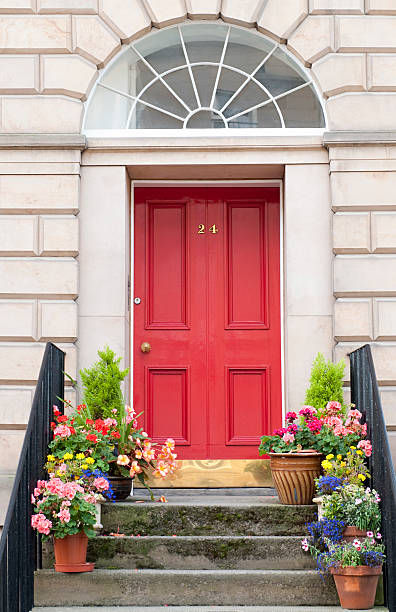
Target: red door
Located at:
point(207, 274)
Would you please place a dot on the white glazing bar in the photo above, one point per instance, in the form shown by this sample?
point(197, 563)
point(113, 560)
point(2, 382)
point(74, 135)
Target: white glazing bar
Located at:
point(168, 87)
point(248, 78)
point(157, 108)
point(220, 67)
point(252, 108)
point(194, 86)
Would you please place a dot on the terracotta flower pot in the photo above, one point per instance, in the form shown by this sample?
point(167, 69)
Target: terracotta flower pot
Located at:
point(71, 554)
point(352, 533)
point(294, 476)
point(356, 586)
point(121, 486)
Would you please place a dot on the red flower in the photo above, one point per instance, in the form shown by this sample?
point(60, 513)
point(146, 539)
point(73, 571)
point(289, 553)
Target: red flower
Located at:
point(56, 410)
point(53, 425)
point(62, 418)
point(115, 434)
point(72, 430)
point(80, 407)
point(92, 438)
point(89, 422)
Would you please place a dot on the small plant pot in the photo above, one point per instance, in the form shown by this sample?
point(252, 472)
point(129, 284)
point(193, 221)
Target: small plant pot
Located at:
point(121, 486)
point(352, 533)
point(294, 476)
point(71, 554)
point(356, 586)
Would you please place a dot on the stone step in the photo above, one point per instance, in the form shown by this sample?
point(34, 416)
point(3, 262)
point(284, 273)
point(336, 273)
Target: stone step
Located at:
point(203, 609)
point(194, 552)
point(241, 516)
point(184, 588)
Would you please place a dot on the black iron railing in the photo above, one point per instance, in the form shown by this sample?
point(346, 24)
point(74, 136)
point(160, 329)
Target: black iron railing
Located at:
point(20, 547)
point(365, 394)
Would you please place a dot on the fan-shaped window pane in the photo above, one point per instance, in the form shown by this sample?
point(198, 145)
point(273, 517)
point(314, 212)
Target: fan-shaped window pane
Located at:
point(235, 78)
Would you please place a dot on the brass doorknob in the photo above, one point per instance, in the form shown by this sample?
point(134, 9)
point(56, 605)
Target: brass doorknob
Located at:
point(145, 347)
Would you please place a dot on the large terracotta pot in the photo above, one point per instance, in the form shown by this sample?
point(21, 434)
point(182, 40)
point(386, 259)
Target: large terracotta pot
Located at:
point(356, 586)
point(352, 533)
point(71, 554)
point(294, 475)
point(121, 486)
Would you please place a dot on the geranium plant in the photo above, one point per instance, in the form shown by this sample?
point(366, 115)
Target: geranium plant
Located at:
point(330, 431)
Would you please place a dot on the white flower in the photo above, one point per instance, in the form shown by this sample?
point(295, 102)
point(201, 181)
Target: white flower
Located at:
point(358, 501)
point(144, 434)
point(370, 534)
point(356, 543)
point(379, 536)
point(304, 544)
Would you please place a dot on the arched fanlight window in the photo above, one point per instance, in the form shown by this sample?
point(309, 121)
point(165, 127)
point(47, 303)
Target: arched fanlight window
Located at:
point(203, 76)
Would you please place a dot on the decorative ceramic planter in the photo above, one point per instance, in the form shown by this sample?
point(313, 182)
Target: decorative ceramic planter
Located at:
point(294, 476)
point(352, 533)
point(356, 586)
point(122, 487)
point(71, 554)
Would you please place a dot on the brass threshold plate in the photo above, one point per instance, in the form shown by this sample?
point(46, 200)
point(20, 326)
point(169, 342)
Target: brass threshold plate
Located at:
point(212, 473)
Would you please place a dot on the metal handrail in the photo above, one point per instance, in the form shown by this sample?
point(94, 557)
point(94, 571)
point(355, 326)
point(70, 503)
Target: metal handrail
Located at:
point(365, 394)
point(20, 546)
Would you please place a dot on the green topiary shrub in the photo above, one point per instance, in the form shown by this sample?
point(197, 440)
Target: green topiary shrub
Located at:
point(102, 385)
point(326, 383)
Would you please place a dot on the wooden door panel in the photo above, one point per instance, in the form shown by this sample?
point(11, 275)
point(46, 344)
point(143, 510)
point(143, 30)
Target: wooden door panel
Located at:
point(168, 405)
point(246, 387)
point(246, 282)
point(167, 266)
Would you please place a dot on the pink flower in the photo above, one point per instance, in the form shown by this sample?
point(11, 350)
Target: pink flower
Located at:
point(370, 534)
point(307, 411)
point(288, 438)
point(64, 515)
point(354, 414)
point(102, 484)
point(123, 460)
point(63, 431)
point(291, 416)
point(110, 422)
point(333, 421)
point(364, 430)
point(333, 407)
point(379, 536)
point(304, 544)
point(366, 446)
point(314, 425)
point(41, 523)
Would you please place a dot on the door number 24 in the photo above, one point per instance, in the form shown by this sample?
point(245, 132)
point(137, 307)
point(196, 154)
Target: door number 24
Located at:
point(201, 229)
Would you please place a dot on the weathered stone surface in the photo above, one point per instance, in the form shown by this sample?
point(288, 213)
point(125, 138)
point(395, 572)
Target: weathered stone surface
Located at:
point(71, 75)
point(360, 190)
point(163, 14)
point(152, 519)
point(40, 115)
point(19, 74)
point(362, 111)
point(67, 6)
point(384, 319)
point(20, 362)
point(18, 235)
point(383, 232)
point(128, 18)
point(59, 236)
point(242, 13)
point(93, 39)
point(337, 72)
point(365, 33)
point(17, 6)
point(381, 7)
point(196, 552)
point(313, 39)
point(15, 405)
point(351, 232)
point(39, 33)
point(360, 275)
point(354, 7)
point(57, 321)
point(203, 9)
point(280, 24)
point(184, 587)
point(18, 320)
point(39, 193)
point(44, 277)
point(353, 320)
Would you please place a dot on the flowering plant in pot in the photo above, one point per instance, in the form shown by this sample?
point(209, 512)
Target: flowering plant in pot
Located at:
point(356, 567)
point(65, 510)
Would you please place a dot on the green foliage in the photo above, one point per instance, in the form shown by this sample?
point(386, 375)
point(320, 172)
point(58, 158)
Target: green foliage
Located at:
point(102, 385)
point(355, 506)
point(326, 383)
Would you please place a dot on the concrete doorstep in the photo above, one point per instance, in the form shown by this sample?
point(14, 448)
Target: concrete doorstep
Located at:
point(206, 609)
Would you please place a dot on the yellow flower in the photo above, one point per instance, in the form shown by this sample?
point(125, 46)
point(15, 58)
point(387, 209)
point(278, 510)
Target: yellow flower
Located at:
point(339, 457)
point(327, 465)
point(361, 477)
point(359, 452)
point(342, 464)
point(80, 456)
point(51, 458)
point(89, 460)
point(67, 456)
point(349, 453)
point(352, 447)
point(84, 466)
point(331, 456)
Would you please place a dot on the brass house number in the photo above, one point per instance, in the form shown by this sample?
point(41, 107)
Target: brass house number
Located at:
point(201, 229)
